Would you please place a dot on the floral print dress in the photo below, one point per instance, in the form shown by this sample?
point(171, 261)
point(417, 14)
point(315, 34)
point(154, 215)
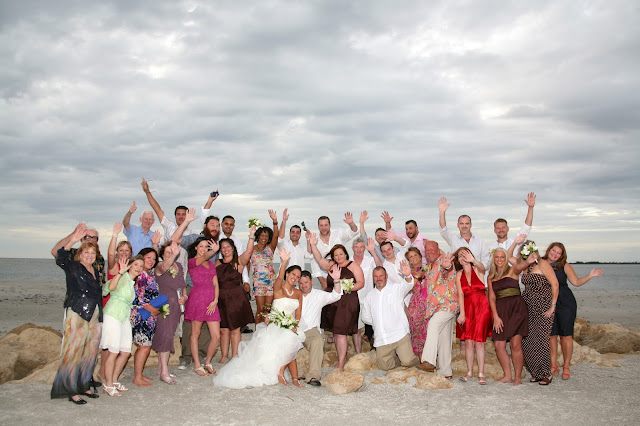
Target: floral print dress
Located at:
point(146, 288)
point(416, 312)
point(263, 272)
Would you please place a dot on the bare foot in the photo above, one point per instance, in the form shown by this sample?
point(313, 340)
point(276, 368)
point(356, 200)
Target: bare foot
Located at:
point(222, 360)
point(282, 380)
point(517, 382)
point(505, 380)
point(297, 384)
point(148, 379)
point(140, 382)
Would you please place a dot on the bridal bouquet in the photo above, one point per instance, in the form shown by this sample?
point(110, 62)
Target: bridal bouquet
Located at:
point(346, 284)
point(165, 310)
point(281, 319)
point(254, 221)
point(528, 250)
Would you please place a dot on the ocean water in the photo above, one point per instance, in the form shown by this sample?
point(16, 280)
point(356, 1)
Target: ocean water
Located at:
point(618, 277)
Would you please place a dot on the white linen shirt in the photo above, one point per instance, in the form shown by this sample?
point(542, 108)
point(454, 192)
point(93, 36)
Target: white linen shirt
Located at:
point(476, 244)
point(384, 310)
point(298, 253)
point(337, 236)
point(312, 305)
point(367, 265)
point(240, 248)
point(169, 226)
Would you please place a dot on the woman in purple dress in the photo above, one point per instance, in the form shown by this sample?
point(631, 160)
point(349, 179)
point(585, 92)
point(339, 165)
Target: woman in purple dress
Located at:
point(202, 304)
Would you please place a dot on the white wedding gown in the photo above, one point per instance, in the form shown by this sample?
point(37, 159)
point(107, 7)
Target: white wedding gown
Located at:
point(259, 360)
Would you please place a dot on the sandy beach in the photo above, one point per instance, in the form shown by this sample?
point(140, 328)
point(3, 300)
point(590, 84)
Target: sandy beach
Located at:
point(593, 395)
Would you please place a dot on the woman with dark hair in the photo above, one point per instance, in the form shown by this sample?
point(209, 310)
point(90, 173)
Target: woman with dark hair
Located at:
point(417, 309)
point(82, 320)
point(541, 295)
point(235, 310)
point(273, 348)
point(202, 304)
point(567, 307)
point(170, 283)
point(146, 289)
point(510, 315)
point(475, 314)
point(266, 241)
point(116, 332)
point(341, 317)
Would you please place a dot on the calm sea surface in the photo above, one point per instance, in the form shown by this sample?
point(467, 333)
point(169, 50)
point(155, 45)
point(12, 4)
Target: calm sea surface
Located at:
point(618, 277)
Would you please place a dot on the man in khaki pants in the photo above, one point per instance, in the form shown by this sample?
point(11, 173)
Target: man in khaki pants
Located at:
point(384, 310)
point(312, 303)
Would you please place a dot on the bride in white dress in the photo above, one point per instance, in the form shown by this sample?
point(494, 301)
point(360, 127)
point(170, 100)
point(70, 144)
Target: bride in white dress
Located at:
point(263, 359)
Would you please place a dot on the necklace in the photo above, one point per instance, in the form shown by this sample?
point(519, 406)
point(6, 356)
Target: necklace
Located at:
point(287, 291)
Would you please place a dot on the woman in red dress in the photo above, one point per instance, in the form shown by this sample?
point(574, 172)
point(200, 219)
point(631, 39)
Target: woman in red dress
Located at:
point(475, 314)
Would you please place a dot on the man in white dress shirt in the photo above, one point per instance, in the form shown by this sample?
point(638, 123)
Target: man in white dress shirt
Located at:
point(465, 238)
point(298, 252)
point(384, 310)
point(329, 237)
point(501, 228)
point(313, 301)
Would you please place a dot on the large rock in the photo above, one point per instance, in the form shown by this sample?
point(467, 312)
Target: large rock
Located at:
point(27, 348)
point(419, 379)
point(362, 362)
point(585, 353)
point(343, 382)
point(45, 374)
point(303, 362)
point(610, 338)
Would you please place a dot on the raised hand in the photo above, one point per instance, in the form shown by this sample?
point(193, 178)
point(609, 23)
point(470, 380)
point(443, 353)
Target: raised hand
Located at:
point(133, 208)
point(284, 255)
point(364, 216)
point(214, 197)
point(371, 245)
point(285, 215)
point(531, 199)
point(156, 238)
point(386, 217)
point(442, 205)
point(596, 272)
point(389, 236)
point(123, 266)
point(520, 238)
point(447, 260)
point(312, 237)
point(191, 215)
point(117, 228)
point(348, 218)
point(213, 246)
point(252, 231)
point(405, 268)
point(307, 234)
point(467, 256)
point(145, 186)
point(335, 272)
point(273, 216)
point(79, 232)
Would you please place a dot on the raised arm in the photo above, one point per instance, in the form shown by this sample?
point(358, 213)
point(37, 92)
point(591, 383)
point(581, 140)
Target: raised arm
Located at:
point(442, 209)
point(274, 239)
point(152, 201)
point(519, 240)
point(573, 277)
point(123, 267)
point(531, 202)
point(284, 257)
point(371, 248)
point(207, 206)
point(387, 218)
point(169, 256)
point(63, 242)
point(390, 236)
point(348, 219)
point(283, 225)
point(127, 217)
point(245, 257)
point(111, 252)
point(191, 216)
point(322, 262)
point(364, 216)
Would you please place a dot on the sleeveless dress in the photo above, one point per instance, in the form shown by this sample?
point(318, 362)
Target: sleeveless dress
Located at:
point(166, 328)
point(536, 346)
point(263, 272)
point(478, 320)
point(146, 289)
point(512, 310)
point(341, 317)
point(566, 307)
point(235, 310)
point(202, 293)
point(416, 312)
point(259, 360)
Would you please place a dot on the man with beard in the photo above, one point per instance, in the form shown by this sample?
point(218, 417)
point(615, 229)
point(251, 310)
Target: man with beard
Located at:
point(411, 234)
point(501, 228)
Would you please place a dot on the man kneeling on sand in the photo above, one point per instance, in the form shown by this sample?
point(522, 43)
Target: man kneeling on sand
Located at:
point(312, 303)
point(384, 310)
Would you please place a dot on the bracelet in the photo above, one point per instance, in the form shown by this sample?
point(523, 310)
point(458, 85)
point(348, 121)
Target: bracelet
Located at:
point(553, 304)
point(114, 235)
point(275, 223)
point(252, 238)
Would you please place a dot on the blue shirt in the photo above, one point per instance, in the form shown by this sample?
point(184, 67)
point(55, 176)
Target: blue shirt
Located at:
point(138, 238)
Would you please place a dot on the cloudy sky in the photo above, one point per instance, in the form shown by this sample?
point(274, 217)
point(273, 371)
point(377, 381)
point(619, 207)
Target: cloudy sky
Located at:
point(323, 107)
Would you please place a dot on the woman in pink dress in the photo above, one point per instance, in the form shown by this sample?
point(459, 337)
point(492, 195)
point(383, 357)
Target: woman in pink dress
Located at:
point(202, 303)
point(475, 314)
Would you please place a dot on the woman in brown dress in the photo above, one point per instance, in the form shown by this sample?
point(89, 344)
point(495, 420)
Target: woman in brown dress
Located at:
point(235, 310)
point(170, 281)
point(342, 316)
point(510, 315)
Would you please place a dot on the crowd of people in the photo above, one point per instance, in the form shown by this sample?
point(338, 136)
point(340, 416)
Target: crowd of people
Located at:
point(401, 292)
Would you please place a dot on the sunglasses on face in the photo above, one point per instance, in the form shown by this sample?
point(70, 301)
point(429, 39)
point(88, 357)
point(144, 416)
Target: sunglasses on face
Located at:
point(90, 237)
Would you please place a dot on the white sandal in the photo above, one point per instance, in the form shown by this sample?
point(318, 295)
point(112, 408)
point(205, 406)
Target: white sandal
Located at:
point(120, 387)
point(111, 390)
point(467, 377)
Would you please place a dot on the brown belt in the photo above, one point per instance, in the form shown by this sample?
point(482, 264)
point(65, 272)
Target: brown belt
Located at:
point(507, 292)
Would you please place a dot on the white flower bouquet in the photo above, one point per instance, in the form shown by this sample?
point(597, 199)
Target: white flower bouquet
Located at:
point(165, 310)
point(346, 284)
point(254, 221)
point(281, 319)
point(173, 271)
point(528, 250)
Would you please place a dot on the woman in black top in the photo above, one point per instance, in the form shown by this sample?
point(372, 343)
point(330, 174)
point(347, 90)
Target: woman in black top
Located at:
point(82, 321)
